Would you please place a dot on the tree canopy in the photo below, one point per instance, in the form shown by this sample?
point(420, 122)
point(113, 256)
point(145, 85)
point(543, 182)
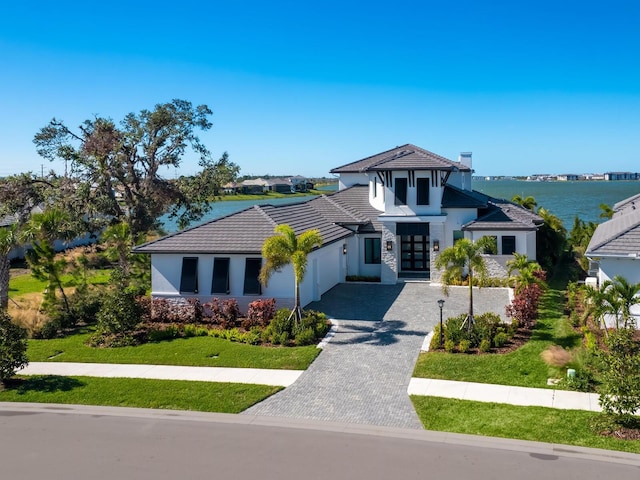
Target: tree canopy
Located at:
point(115, 171)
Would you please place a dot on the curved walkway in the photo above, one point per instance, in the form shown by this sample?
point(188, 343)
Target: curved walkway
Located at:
point(363, 374)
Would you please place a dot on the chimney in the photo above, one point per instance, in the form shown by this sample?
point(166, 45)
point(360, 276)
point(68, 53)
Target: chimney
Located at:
point(465, 159)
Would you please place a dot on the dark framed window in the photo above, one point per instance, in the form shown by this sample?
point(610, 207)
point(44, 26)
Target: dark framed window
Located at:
point(457, 235)
point(189, 276)
point(508, 244)
point(422, 191)
point(252, 284)
point(401, 191)
point(220, 282)
point(371, 250)
point(375, 187)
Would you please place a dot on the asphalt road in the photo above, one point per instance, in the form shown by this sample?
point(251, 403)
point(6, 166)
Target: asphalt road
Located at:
point(61, 442)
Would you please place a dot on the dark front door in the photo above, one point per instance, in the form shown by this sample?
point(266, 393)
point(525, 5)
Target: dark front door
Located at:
point(414, 253)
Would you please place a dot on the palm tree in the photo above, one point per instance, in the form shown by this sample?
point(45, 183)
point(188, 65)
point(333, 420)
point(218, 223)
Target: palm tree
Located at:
point(601, 302)
point(551, 239)
point(8, 240)
point(119, 243)
point(526, 271)
point(465, 257)
point(607, 212)
point(626, 295)
point(42, 230)
point(286, 248)
point(528, 202)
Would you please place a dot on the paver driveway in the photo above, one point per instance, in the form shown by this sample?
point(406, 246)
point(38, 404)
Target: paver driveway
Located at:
point(363, 373)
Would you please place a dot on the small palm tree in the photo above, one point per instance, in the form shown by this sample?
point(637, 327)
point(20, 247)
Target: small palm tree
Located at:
point(526, 271)
point(527, 202)
point(42, 230)
point(607, 212)
point(465, 257)
point(286, 248)
point(626, 295)
point(8, 240)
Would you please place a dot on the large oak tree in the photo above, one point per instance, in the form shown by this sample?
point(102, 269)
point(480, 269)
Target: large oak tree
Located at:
point(118, 172)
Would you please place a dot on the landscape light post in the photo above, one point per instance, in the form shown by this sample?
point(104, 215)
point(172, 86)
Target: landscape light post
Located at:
point(441, 304)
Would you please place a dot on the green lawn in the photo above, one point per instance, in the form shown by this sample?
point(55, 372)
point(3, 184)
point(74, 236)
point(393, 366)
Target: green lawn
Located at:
point(523, 367)
point(570, 427)
point(24, 284)
point(195, 351)
point(142, 393)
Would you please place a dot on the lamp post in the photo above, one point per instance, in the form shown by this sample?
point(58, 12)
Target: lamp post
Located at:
point(441, 304)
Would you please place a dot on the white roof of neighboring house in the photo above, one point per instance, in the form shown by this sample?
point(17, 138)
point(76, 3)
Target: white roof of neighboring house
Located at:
point(619, 236)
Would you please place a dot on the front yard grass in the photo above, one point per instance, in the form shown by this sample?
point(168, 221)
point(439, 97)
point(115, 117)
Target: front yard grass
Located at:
point(195, 351)
point(570, 427)
point(522, 367)
point(135, 392)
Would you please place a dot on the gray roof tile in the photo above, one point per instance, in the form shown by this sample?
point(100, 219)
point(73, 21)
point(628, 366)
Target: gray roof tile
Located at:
point(405, 157)
point(619, 236)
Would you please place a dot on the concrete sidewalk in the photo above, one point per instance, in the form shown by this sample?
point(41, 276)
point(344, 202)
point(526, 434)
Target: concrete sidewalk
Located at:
point(480, 392)
point(280, 378)
point(524, 396)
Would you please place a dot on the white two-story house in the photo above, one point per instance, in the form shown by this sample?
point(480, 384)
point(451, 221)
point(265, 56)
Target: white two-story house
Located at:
point(392, 214)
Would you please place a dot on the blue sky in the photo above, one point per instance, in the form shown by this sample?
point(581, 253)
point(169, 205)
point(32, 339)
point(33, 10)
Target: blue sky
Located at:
point(300, 87)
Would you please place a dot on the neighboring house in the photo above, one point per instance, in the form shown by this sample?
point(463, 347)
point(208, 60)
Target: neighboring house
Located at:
point(615, 245)
point(568, 177)
point(280, 185)
point(614, 248)
point(254, 186)
point(300, 184)
point(391, 216)
point(621, 176)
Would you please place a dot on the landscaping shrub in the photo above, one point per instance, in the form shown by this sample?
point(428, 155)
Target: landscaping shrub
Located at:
point(13, 347)
point(119, 312)
point(305, 337)
point(501, 339)
point(435, 339)
point(464, 346)
point(260, 313)
point(485, 346)
point(620, 388)
point(163, 331)
point(524, 306)
point(283, 327)
point(449, 346)
point(224, 313)
point(453, 329)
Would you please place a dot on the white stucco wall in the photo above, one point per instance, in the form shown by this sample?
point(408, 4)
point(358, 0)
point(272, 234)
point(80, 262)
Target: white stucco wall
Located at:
point(524, 244)
point(412, 208)
point(325, 269)
point(350, 179)
point(629, 268)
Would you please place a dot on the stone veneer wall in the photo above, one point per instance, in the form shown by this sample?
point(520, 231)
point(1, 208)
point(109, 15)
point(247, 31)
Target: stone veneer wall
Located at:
point(389, 270)
point(436, 232)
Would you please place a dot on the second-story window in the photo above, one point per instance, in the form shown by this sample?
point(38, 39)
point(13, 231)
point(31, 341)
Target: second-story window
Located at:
point(422, 191)
point(401, 191)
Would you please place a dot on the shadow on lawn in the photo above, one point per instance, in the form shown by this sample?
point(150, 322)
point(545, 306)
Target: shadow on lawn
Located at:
point(43, 383)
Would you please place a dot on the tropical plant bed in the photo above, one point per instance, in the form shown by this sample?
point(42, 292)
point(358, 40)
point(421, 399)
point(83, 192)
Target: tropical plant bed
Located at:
point(520, 337)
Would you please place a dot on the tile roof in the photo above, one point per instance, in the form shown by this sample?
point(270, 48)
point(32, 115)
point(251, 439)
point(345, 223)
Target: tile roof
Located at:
point(619, 236)
point(504, 215)
point(405, 157)
point(245, 231)
point(454, 197)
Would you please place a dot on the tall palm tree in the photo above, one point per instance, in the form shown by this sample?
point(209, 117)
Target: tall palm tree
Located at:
point(465, 257)
point(8, 240)
point(286, 248)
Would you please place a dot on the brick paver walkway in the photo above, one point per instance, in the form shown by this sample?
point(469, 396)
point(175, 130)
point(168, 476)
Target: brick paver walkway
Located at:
point(363, 373)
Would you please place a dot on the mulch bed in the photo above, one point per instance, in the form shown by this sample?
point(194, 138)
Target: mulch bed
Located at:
point(522, 336)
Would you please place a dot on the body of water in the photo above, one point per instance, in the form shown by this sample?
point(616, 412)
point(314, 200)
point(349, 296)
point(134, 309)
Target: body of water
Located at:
point(566, 200)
